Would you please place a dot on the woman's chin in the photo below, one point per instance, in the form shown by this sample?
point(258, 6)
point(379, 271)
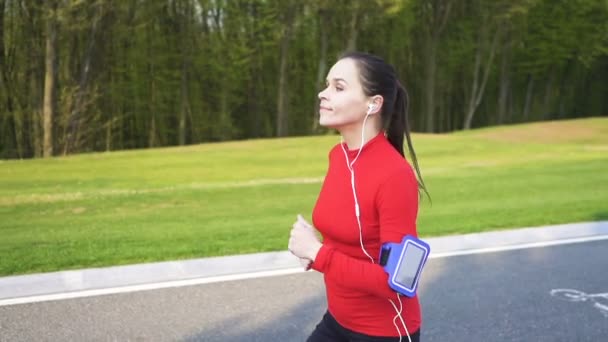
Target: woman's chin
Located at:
point(327, 122)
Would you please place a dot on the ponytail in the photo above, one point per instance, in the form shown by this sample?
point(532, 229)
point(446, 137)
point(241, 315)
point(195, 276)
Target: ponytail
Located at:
point(398, 127)
point(379, 78)
point(396, 122)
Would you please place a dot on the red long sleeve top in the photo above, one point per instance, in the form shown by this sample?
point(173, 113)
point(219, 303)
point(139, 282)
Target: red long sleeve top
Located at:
point(387, 191)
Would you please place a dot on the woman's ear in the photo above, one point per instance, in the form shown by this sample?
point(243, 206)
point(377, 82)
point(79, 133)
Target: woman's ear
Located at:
point(370, 108)
point(374, 105)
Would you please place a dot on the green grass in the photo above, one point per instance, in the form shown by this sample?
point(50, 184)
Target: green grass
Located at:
point(242, 197)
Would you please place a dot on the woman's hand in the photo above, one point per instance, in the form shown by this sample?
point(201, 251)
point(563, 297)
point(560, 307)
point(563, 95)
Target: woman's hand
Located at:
point(305, 263)
point(303, 241)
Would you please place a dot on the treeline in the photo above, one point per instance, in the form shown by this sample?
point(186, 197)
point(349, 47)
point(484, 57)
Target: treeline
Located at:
point(97, 75)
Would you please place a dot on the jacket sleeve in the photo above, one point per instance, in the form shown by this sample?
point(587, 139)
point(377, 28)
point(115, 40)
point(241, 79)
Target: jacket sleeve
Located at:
point(397, 204)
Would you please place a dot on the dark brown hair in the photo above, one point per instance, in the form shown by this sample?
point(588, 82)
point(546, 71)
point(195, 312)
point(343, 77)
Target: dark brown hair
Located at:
point(379, 78)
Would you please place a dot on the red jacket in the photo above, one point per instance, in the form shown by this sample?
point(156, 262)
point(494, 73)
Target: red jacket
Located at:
point(387, 192)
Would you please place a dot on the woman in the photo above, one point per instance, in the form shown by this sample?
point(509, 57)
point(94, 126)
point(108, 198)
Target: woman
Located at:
point(369, 197)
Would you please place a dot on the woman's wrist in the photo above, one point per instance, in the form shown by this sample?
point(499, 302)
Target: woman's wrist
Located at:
point(312, 255)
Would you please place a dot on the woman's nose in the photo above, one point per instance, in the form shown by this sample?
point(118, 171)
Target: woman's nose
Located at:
point(322, 94)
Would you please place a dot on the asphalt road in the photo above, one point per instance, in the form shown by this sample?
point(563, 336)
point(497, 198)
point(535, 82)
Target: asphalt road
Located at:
point(500, 296)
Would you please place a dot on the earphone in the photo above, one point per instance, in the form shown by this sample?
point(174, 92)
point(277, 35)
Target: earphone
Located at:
point(370, 109)
point(349, 165)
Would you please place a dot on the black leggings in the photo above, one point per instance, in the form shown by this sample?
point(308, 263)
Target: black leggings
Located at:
point(329, 330)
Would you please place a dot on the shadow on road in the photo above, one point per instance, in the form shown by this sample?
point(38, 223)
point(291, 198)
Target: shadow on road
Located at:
point(294, 324)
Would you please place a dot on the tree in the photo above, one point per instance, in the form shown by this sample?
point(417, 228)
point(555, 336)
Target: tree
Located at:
point(78, 76)
point(434, 15)
point(287, 16)
point(50, 77)
point(488, 35)
point(77, 111)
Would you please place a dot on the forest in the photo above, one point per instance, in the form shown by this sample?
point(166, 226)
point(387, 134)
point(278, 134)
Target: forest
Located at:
point(81, 76)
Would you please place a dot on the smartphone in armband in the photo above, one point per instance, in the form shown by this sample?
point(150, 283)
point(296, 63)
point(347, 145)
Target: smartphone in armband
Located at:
point(404, 262)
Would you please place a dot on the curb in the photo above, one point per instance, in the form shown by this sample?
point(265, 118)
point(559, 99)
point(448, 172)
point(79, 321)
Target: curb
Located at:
point(207, 270)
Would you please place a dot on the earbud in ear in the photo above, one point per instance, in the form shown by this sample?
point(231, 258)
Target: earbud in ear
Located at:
point(370, 108)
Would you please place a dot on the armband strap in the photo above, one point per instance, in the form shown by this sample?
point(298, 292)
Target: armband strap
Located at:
point(404, 262)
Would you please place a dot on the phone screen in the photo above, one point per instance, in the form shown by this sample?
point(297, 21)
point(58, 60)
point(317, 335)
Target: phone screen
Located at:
point(413, 256)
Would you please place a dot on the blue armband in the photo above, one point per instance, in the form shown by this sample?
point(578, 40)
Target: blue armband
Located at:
point(404, 262)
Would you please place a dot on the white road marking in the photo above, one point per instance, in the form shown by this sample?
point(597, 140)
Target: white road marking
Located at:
point(518, 246)
point(262, 274)
point(572, 295)
point(146, 287)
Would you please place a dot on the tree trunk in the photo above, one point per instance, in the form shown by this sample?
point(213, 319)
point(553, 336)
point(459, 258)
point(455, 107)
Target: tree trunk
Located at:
point(283, 96)
point(3, 67)
point(18, 129)
point(471, 103)
point(528, 101)
point(112, 107)
point(37, 145)
point(547, 109)
point(437, 18)
point(152, 132)
point(152, 108)
point(352, 37)
point(6, 96)
point(184, 106)
point(445, 109)
point(440, 112)
point(109, 136)
point(429, 85)
point(505, 81)
point(478, 90)
point(49, 80)
point(182, 29)
point(224, 125)
point(34, 79)
point(565, 88)
point(322, 67)
point(435, 24)
point(75, 119)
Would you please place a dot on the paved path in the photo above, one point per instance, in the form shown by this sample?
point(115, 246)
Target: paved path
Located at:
point(479, 287)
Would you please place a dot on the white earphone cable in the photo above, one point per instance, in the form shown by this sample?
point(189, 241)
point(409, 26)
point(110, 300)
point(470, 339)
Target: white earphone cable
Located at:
point(349, 165)
point(352, 183)
point(400, 318)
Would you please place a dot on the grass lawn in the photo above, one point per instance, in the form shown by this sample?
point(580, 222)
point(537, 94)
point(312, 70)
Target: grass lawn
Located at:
point(127, 207)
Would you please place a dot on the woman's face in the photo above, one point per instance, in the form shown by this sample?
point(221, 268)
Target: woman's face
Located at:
point(342, 103)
